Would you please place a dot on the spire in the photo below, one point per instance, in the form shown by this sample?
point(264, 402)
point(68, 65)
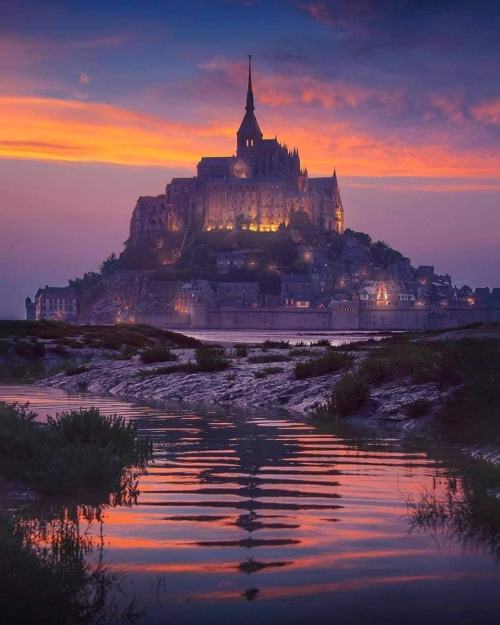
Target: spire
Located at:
point(250, 105)
point(249, 134)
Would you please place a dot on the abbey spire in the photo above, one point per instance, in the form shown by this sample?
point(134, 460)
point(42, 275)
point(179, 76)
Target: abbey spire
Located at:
point(249, 134)
point(250, 105)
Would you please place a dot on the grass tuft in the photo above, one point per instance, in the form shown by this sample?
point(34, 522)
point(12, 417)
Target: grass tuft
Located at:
point(329, 362)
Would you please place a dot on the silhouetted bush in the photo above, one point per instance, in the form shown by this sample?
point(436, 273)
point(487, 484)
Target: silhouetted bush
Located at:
point(210, 358)
point(157, 353)
point(263, 373)
point(264, 358)
point(75, 369)
point(241, 350)
point(328, 362)
point(81, 450)
point(274, 345)
point(30, 349)
point(349, 395)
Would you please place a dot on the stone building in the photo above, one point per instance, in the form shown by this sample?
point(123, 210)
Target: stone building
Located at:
point(257, 188)
point(55, 302)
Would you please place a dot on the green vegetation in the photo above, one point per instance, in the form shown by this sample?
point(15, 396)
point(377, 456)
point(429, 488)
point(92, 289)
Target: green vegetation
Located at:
point(265, 358)
point(300, 351)
point(157, 353)
point(329, 362)
point(263, 373)
point(274, 345)
point(470, 366)
point(209, 358)
point(183, 367)
point(114, 337)
point(29, 349)
point(320, 343)
point(241, 350)
point(348, 395)
point(73, 452)
point(75, 369)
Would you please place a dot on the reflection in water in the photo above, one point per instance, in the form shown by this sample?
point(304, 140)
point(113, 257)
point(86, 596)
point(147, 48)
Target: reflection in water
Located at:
point(257, 517)
point(461, 510)
point(53, 571)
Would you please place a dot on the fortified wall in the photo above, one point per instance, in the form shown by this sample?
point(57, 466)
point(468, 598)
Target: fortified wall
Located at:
point(344, 316)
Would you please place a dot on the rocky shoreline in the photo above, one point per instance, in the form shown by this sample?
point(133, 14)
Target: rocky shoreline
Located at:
point(238, 386)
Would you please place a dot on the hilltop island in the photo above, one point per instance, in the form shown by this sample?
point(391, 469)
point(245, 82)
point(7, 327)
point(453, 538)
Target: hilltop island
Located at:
point(253, 241)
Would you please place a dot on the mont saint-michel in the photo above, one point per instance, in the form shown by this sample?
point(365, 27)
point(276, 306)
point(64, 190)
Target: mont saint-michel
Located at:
point(253, 242)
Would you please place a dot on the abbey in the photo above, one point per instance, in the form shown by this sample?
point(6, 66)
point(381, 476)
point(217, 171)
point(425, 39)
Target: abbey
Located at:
point(258, 188)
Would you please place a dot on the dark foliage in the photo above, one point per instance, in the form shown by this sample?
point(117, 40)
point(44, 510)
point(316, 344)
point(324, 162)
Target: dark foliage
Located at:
point(158, 353)
point(81, 450)
point(329, 362)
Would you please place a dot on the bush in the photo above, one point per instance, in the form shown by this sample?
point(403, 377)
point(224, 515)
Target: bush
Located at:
point(300, 351)
point(268, 358)
point(158, 353)
point(185, 367)
point(321, 343)
point(75, 369)
point(349, 395)
point(326, 363)
point(210, 358)
point(274, 345)
point(417, 408)
point(81, 450)
point(241, 350)
point(30, 349)
point(263, 373)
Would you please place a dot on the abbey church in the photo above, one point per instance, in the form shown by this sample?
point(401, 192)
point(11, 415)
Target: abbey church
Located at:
point(258, 188)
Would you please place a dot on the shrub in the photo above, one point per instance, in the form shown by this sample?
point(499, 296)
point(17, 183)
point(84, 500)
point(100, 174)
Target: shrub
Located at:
point(30, 349)
point(75, 369)
point(185, 367)
point(241, 350)
point(264, 358)
point(210, 358)
point(300, 351)
point(81, 450)
point(326, 363)
point(158, 353)
point(349, 395)
point(417, 407)
point(321, 343)
point(267, 344)
point(263, 373)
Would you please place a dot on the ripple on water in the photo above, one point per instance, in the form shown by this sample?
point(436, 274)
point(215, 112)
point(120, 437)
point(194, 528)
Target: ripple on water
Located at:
point(304, 525)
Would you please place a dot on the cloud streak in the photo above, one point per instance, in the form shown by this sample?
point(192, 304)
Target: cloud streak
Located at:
point(70, 130)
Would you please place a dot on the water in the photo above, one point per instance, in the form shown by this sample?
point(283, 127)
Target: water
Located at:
point(260, 518)
point(292, 336)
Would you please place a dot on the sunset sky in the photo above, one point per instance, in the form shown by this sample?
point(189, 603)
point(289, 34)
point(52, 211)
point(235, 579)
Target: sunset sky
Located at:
point(101, 102)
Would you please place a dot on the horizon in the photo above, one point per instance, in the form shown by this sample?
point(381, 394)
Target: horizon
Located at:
point(99, 108)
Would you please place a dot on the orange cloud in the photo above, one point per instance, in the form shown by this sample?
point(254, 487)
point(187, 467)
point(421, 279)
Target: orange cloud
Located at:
point(70, 130)
point(79, 131)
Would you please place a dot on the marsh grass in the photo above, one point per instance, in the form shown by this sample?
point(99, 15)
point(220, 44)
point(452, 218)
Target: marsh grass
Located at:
point(263, 373)
point(267, 344)
point(329, 362)
point(77, 451)
point(158, 353)
point(266, 358)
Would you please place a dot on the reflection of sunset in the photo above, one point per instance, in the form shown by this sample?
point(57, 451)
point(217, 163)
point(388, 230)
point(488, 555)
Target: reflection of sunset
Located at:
point(239, 502)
